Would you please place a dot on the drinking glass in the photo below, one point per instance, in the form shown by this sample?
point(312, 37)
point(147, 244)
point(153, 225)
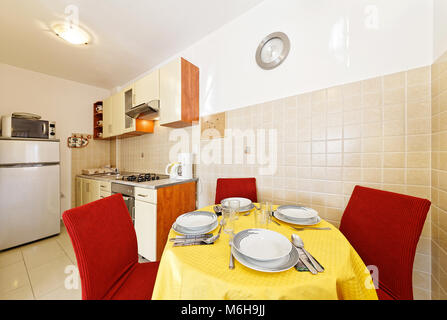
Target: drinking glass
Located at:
point(235, 205)
point(262, 216)
point(267, 207)
point(229, 217)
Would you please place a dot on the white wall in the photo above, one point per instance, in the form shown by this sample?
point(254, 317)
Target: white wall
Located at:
point(332, 42)
point(439, 28)
point(66, 102)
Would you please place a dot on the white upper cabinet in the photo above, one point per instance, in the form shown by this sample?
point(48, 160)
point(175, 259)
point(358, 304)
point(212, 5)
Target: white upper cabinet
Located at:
point(179, 94)
point(147, 89)
point(107, 117)
point(118, 114)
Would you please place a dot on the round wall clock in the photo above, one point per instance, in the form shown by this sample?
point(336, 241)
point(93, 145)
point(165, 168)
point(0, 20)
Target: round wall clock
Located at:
point(273, 50)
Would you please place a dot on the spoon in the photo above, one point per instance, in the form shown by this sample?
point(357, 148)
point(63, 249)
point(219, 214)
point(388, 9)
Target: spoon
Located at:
point(298, 242)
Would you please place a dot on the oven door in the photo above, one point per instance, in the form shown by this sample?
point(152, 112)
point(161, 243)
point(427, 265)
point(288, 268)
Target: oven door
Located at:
point(130, 204)
point(25, 128)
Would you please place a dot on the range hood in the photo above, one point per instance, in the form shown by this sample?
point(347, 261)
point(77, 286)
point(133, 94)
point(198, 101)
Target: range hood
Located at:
point(145, 111)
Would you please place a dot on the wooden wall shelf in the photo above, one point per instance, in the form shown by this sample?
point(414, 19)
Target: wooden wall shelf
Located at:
point(97, 116)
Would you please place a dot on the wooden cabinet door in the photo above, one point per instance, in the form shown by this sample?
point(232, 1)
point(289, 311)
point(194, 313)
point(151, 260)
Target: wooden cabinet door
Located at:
point(170, 92)
point(107, 117)
point(146, 229)
point(147, 88)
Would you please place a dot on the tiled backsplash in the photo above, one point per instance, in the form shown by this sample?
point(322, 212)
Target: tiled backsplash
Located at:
point(439, 178)
point(95, 155)
point(150, 152)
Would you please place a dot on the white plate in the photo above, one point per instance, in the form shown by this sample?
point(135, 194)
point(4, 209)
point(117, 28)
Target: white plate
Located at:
point(309, 222)
point(196, 220)
point(186, 232)
point(297, 212)
point(243, 202)
point(279, 265)
point(262, 244)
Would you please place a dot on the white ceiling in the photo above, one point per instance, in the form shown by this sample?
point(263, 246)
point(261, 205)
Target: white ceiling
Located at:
point(129, 36)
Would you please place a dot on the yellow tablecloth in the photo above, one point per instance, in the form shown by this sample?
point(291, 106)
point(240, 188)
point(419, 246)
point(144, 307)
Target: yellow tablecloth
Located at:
point(202, 273)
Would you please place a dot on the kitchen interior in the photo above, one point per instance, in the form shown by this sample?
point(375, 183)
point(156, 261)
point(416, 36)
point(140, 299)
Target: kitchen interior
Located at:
point(358, 100)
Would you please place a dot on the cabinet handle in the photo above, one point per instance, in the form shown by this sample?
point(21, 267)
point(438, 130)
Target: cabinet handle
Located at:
point(142, 195)
point(102, 186)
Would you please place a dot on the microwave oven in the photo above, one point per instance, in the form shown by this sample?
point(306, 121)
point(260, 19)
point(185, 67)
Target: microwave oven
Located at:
point(28, 128)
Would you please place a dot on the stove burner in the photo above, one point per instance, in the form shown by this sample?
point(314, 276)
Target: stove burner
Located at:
point(143, 177)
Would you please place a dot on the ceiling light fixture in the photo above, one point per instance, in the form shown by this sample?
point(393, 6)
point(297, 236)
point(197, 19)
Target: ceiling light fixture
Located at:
point(71, 33)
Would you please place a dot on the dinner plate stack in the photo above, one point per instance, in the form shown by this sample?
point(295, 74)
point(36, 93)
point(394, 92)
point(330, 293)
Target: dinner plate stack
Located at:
point(195, 223)
point(244, 203)
point(297, 215)
point(264, 250)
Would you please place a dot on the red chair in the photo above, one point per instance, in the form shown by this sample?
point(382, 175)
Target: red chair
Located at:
point(105, 245)
point(236, 187)
point(384, 228)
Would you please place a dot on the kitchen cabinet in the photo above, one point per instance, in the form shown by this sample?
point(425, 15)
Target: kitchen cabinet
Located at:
point(78, 194)
point(179, 94)
point(107, 117)
point(115, 121)
point(118, 114)
point(90, 190)
point(147, 88)
point(146, 229)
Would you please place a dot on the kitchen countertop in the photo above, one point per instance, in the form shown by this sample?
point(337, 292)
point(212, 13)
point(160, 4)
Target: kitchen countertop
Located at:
point(156, 184)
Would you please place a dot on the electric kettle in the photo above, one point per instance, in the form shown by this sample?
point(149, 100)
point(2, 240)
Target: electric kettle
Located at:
point(173, 170)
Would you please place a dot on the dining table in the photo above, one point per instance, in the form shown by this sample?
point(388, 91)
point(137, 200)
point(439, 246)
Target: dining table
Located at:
point(201, 272)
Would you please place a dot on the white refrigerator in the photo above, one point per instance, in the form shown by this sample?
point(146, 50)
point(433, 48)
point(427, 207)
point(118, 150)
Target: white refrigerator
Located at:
point(29, 190)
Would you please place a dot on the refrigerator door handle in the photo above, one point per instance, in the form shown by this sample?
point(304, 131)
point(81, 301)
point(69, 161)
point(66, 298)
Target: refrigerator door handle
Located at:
point(28, 165)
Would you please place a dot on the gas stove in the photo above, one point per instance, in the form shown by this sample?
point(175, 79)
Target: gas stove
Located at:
point(142, 177)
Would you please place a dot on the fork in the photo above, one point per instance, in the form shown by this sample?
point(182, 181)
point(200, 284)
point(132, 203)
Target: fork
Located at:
point(310, 228)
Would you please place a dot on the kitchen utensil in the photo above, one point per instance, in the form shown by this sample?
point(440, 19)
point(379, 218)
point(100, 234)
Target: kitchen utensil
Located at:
point(218, 210)
point(231, 264)
point(201, 236)
point(298, 242)
point(309, 228)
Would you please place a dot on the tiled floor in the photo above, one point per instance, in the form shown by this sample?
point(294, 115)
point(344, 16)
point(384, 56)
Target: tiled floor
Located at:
point(38, 270)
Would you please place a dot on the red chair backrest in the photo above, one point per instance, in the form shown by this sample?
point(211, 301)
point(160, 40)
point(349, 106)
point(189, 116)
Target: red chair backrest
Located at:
point(236, 187)
point(384, 228)
point(104, 242)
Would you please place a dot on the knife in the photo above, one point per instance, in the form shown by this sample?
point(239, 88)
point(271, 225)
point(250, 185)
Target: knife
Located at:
point(190, 243)
point(306, 262)
point(193, 237)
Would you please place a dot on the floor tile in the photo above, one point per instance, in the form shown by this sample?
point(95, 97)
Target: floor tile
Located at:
point(22, 293)
point(13, 276)
point(62, 293)
point(9, 257)
point(41, 252)
point(50, 276)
